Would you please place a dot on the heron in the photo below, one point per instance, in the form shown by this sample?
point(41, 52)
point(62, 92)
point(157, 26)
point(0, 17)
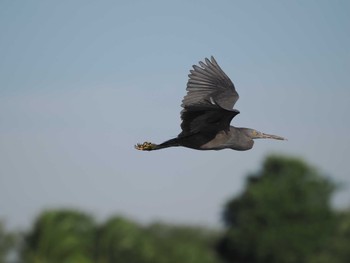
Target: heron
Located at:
point(207, 113)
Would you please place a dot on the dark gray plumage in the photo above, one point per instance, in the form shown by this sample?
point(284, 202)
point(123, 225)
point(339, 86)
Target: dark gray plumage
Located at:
point(207, 114)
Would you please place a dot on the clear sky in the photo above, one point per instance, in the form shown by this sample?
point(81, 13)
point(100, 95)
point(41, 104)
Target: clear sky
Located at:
point(82, 81)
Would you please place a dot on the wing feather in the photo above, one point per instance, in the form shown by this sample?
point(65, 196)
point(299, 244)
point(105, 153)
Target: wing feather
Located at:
point(208, 104)
point(210, 80)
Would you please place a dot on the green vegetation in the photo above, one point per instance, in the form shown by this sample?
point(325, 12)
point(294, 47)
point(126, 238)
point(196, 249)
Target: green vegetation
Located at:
point(283, 215)
point(71, 236)
point(6, 243)
point(337, 249)
point(60, 236)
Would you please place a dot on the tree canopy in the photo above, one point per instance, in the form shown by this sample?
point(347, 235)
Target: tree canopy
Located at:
point(72, 236)
point(283, 215)
point(60, 236)
point(6, 242)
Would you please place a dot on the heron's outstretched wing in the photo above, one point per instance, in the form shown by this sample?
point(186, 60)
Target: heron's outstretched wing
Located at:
point(210, 98)
point(208, 84)
point(204, 119)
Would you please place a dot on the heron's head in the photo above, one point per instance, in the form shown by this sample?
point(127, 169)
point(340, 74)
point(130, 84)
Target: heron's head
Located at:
point(254, 134)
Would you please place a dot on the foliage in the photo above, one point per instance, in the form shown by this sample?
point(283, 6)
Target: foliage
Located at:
point(121, 240)
point(7, 241)
point(284, 215)
point(70, 236)
point(338, 247)
point(60, 236)
point(183, 244)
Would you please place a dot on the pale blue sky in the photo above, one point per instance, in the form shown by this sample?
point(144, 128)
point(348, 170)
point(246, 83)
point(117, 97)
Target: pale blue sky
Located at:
point(82, 81)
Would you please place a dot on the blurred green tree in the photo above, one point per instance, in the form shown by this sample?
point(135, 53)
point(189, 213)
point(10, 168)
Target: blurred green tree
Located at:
point(7, 241)
point(338, 246)
point(121, 240)
point(283, 215)
point(62, 236)
point(186, 244)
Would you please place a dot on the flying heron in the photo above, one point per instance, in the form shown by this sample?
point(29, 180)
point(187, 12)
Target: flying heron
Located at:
point(207, 114)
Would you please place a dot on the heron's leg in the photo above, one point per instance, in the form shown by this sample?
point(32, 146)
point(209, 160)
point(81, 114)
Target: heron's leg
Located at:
point(146, 146)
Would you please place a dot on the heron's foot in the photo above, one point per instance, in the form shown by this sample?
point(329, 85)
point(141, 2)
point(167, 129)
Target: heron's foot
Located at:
point(146, 146)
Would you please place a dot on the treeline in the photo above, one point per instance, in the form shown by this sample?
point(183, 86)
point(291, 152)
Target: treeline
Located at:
point(71, 236)
point(283, 215)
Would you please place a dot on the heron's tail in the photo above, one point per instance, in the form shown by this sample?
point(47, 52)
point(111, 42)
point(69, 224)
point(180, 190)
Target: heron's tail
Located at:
point(148, 146)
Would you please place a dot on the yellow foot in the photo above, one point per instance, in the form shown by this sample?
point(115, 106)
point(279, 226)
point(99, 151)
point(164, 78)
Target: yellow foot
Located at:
point(146, 146)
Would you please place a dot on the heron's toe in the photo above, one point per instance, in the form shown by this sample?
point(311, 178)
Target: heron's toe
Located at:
point(146, 146)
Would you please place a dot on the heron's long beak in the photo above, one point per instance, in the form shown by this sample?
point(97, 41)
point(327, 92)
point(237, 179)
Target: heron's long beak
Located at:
point(261, 135)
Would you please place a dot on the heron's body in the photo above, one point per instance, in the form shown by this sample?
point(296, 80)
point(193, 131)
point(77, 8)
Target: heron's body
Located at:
point(207, 113)
point(232, 139)
point(235, 139)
